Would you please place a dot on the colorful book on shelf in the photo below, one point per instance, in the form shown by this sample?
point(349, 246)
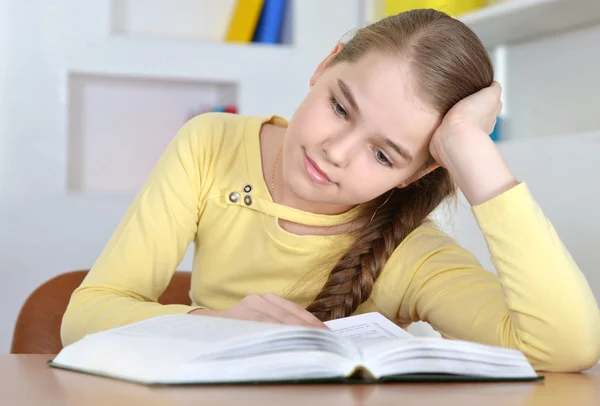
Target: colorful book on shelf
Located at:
point(269, 26)
point(457, 7)
point(497, 132)
point(392, 7)
point(225, 108)
point(244, 20)
point(451, 7)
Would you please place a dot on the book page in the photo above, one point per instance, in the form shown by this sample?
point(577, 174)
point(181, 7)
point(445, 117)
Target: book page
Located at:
point(214, 335)
point(151, 350)
point(368, 325)
point(201, 329)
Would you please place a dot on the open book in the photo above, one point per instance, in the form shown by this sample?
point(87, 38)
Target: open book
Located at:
point(185, 349)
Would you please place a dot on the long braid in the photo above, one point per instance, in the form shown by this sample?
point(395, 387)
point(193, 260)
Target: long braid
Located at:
point(351, 281)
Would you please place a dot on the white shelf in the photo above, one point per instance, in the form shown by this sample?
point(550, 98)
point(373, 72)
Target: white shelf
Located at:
point(522, 20)
point(191, 19)
point(258, 71)
point(177, 59)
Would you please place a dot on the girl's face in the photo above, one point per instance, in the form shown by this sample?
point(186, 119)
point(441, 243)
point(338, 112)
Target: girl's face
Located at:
point(360, 132)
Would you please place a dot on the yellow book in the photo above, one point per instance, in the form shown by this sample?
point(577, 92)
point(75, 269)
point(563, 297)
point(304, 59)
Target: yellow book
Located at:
point(455, 7)
point(451, 7)
point(392, 7)
point(244, 20)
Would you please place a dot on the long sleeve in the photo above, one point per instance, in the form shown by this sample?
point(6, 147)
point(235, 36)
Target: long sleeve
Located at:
point(139, 260)
point(539, 303)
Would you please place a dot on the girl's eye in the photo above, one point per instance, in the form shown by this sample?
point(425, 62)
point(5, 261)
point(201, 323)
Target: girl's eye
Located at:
point(382, 159)
point(338, 109)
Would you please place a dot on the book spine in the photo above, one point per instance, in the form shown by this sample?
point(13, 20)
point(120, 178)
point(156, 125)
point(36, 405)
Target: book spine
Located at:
point(392, 7)
point(451, 7)
point(244, 20)
point(269, 25)
point(455, 7)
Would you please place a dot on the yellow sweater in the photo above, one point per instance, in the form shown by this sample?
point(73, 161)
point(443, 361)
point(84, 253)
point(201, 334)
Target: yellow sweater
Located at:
point(540, 302)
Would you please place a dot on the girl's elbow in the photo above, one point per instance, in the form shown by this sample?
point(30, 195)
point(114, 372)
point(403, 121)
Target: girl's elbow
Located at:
point(69, 331)
point(72, 323)
point(588, 358)
point(66, 334)
point(575, 360)
point(575, 353)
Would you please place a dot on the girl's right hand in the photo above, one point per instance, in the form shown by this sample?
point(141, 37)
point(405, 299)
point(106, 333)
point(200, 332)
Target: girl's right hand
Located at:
point(268, 308)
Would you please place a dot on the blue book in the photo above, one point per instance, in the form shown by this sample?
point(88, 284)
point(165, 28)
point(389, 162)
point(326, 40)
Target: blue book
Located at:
point(495, 135)
point(268, 29)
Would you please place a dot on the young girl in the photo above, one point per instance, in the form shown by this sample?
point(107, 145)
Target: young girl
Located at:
point(327, 215)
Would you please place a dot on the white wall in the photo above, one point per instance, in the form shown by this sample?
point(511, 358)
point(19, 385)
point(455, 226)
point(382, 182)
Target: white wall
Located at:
point(553, 85)
point(38, 36)
point(35, 217)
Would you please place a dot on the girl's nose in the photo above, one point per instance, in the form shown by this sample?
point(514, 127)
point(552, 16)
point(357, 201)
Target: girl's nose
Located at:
point(339, 149)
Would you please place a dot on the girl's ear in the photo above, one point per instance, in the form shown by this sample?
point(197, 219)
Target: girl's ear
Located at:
point(419, 175)
point(325, 62)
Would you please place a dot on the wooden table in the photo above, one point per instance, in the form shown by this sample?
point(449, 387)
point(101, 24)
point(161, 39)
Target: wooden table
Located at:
point(27, 380)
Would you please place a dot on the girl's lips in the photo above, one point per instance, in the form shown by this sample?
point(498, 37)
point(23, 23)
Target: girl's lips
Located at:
point(315, 172)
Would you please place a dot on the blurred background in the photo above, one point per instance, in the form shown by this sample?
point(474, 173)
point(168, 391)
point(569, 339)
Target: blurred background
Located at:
point(92, 91)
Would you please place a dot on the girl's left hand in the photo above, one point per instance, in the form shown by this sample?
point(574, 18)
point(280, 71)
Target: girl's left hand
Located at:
point(462, 144)
point(470, 117)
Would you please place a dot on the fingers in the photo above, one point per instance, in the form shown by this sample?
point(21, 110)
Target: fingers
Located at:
point(496, 86)
point(494, 90)
point(272, 308)
point(497, 89)
point(491, 129)
point(294, 309)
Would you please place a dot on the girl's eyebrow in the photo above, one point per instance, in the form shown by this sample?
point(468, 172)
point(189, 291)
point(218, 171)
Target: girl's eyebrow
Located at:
point(403, 152)
point(348, 95)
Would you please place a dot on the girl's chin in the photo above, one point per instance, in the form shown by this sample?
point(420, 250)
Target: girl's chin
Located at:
point(318, 196)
